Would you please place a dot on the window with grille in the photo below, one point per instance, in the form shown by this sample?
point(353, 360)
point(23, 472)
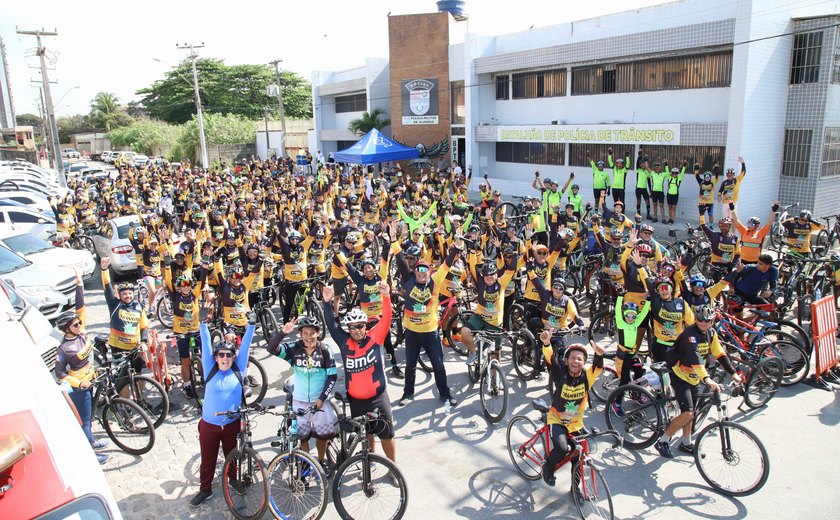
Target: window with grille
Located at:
point(503, 87)
point(805, 65)
point(797, 152)
point(352, 103)
point(831, 153)
point(835, 72)
point(539, 84)
point(706, 156)
point(531, 153)
point(457, 102)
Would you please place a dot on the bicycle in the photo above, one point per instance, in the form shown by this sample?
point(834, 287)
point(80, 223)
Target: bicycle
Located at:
point(777, 231)
point(825, 239)
point(529, 363)
point(529, 447)
point(244, 477)
point(306, 300)
point(262, 309)
point(196, 367)
point(367, 485)
point(486, 370)
point(255, 380)
point(296, 484)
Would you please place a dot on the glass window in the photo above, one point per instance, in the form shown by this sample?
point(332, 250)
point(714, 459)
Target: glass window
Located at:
point(10, 262)
point(532, 153)
point(831, 153)
point(503, 87)
point(805, 64)
point(23, 218)
point(89, 507)
point(351, 103)
point(705, 156)
point(458, 102)
point(122, 231)
point(796, 156)
point(835, 74)
point(26, 244)
point(539, 84)
point(343, 145)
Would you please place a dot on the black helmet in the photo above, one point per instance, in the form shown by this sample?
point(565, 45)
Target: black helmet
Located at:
point(65, 319)
point(309, 321)
point(224, 345)
point(489, 269)
point(413, 251)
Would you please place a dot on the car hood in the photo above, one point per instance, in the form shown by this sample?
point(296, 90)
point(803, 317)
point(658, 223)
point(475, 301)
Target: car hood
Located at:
point(61, 256)
point(33, 275)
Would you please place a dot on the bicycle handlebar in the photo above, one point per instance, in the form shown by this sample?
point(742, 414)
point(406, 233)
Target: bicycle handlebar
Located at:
point(258, 408)
point(595, 433)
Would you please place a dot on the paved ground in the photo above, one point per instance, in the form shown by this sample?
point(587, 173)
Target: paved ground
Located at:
point(457, 465)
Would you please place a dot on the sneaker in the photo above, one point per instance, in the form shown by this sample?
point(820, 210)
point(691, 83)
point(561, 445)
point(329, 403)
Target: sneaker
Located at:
point(664, 449)
point(200, 497)
point(654, 219)
point(325, 467)
point(472, 358)
point(404, 400)
point(99, 444)
point(616, 408)
point(102, 458)
point(547, 474)
point(238, 486)
point(398, 373)
point(189, 392)
point(686, 448)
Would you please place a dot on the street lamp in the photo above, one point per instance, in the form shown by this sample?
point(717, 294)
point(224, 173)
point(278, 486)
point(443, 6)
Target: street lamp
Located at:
point(71, 89)
point(200, 117)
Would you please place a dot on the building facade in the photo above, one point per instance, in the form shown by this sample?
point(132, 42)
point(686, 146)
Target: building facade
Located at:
point(704, 81)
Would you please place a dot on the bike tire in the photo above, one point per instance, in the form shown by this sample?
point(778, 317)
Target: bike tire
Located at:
point(713, 459)
point(143, 295)
point(640, 422)
point(797, 363)
point(607, 382)
point(526, 355)
point(452, 331)
point(516, 317)
point(130, 421)
point(197, 381)
point(251, 503)
point(527, 451)
point(297, 489)
point(764, 381)
point(493, 391)
point(506, 210)
point(164, 312)
point(347, 488)
point(590, 492)
point(795, 330)
point(803, 310)
point(87, 244)
point(152, 398)
point(702, 264)
point(257, 381)
point(603, 330)
point(424, 361)
point(820, 244)
point(314, 310)
point(268, 323)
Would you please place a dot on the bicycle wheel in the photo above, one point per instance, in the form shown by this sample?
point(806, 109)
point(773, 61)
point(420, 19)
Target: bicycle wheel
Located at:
point(516, 317)
point(504, 211)
point(803, 310)
point(731, 459)
point(151, 397)
point(820, 244)
point(526, 447)
point(424, 361)
point(793, 356)
point(164, 312)
point(604, 332)
point(795, 331)
point(128, 425)
point(87, 244)
point(268, 322)
point(764, 381)
point(369, 486)
point(640, 418)
point(526, 361)
point(590, 492)
point(245, 484)
point(493, 392)
point(603, 386)
point(452, 331)
point(297, 488)
point(143, 295)
point(701, 263)
point(314, 310)
point(257, 380)
point(197, 381)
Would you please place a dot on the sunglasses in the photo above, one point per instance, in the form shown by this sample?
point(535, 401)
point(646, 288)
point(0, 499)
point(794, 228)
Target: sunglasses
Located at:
point(702, 320)
point(357, 326)
point(630, 315)
point(422, 269)
point(541, 253)
point(76, 324)
point(698, 284)
point(224, 354)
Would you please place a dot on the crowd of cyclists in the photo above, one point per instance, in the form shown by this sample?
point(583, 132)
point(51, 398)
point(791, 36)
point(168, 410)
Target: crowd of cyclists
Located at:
point(385, 250)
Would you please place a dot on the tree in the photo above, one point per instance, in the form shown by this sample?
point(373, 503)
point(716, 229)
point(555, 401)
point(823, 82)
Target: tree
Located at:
point(369, 121)
point(218, 129)
point(238, 89)
point(29, 120)
point(75, 124)
point(144, 135)
point(106, 112)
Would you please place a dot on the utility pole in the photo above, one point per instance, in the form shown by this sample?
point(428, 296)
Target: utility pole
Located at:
point(267, 141)
point(48, 104)
point(193, 56)
point(276, 64)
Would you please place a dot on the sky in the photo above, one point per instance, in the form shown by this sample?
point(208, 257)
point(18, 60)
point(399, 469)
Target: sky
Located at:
point(112, 46)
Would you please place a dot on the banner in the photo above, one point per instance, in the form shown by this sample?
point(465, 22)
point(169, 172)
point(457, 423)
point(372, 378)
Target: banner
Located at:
point(420, 101)
point(668, 134)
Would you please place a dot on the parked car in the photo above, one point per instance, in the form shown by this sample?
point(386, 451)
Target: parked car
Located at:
point(113, 243)
point(26, 198)
point(77, 167)
point(41, 252)
point(141, 160)
point(44, 337)
point(32, 185)
point(70, 153)
point(50, 289)
point(103, 157)
point(26, 220)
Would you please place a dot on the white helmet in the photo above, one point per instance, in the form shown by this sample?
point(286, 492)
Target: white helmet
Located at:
point(354, 316)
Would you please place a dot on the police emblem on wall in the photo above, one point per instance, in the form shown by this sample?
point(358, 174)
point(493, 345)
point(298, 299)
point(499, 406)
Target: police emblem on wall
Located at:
point(420, 102)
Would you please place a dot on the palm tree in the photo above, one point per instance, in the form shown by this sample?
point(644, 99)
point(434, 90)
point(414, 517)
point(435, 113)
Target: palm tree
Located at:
point(368, 121)
point(104, 108)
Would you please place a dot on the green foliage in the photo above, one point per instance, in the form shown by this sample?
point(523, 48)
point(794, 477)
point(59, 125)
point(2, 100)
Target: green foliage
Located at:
point(107, 113)
point(75, 124)
point(237, 89)
point(218, 129)
point(144, 134)
point(368, 121)
point(29, 120)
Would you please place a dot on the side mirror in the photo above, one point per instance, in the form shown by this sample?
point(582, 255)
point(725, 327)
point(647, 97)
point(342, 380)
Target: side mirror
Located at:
point(41, 221)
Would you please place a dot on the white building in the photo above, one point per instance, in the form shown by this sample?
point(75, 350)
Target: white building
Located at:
point(717, 79)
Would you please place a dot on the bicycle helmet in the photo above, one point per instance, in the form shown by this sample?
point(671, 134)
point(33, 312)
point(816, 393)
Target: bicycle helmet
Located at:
point(575, 187)
point(125, 286)
point(558, 283)
point(644, 249)
point(725, 221)
point(184, 281)
point(224, 345)
point(320, 233)
point(698, 280)
point(646, 227)
point(309, 321)
point(630, 310)
point(730, 170)
point(489, 269)
point(354, 316)
point(368, 261)
point(576, 347)
point(675, 170)
point(754, 221)
point(616, 234)
point(707, 176)
point(663, 281)
point(704, 312)
point(619, 160)
point(567, 234)
point(252, 247)
point(666, 264)
point(805, 214)
point(64, 320)
point(236, 273)
point(414, 251)
point(600, 163)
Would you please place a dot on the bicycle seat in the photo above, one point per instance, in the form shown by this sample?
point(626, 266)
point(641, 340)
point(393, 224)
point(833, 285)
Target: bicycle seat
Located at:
point(660, 368)
point(101, 344)
point(539, 405)
point(288, 387)
point(760, 313)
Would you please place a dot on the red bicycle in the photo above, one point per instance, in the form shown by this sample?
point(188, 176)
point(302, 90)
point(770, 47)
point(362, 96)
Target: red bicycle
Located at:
point(529, 446)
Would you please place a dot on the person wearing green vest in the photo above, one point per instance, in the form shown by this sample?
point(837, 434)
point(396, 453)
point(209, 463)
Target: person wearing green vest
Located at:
point(574, 197)
point(600, 178)
point(619, 173)
point(642, 184)
point(673, 196)
point(657, 192)
point(550, 200)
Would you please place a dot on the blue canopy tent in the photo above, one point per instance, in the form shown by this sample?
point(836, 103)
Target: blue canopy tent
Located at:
point(375, 148)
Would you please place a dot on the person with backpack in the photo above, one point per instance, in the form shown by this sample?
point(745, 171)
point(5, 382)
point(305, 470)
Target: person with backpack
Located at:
point(224, 367)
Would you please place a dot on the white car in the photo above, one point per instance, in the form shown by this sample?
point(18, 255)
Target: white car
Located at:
point(70, 153)
point(26, 220)
point(50, 289)
point(19, 182)
point(141, 160)
point(27, 198)
point(40, 252)
point(44, 337)
point(77, 167)
point(103, 157)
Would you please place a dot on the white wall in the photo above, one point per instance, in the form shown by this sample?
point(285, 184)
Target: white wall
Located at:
point(273, 141)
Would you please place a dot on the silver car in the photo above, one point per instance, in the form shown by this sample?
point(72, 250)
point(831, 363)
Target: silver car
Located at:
point(113, 243)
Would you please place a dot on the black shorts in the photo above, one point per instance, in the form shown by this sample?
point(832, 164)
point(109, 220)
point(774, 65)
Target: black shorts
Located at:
point(382, 427)
point(642, 193)
point(657, 196)
point(184, 344)
point(137, 363)
point(673, 199)
point(686, 393)
point(707, 208)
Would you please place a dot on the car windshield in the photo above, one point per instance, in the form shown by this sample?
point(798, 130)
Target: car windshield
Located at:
point(122, 231)
point(26, 244)
point(10, 262)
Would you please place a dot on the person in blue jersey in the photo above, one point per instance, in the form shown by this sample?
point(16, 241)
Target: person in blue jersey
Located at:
point(224, 368)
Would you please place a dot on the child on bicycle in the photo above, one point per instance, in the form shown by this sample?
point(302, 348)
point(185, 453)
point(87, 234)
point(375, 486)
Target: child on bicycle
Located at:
point(572, 381)
point(629, 316)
